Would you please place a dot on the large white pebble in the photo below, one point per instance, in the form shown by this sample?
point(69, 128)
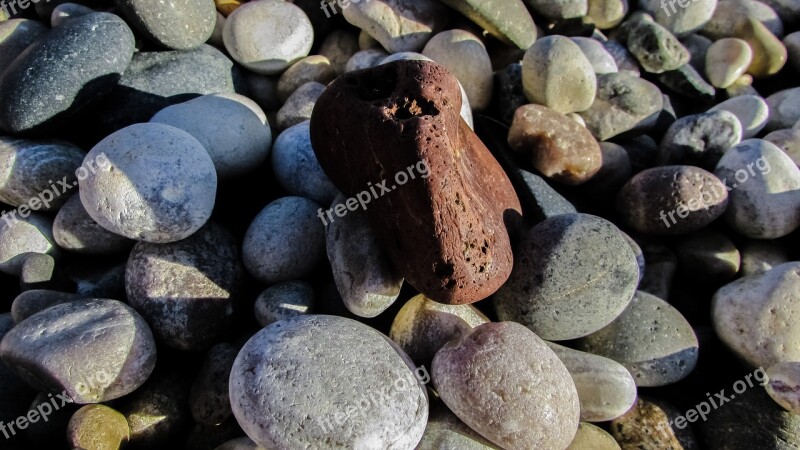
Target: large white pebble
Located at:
point(556, 74)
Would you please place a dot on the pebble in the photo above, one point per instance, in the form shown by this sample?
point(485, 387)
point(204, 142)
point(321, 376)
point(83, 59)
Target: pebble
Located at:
point(338, 47)
point(31, 234)
point(237, 143)
point(502, 358)
point(590, 437)
point(651, 339)
point(784, 108)
point(67, 11)
point(687, 82)
point(284, 301)
point(730, 17)
point(769, 54)
point(681, 17)
point(709, 255)
point(208, 397)
point(165, 397)
point(296, 168)
point(168, 205)
point(157, 79)
point(751, 110)
point(182, 26)
point(446, 431)
point(650, 426)
point(398, 103)
point(600, 59)
point(557, 146)
point(656, 49)
point(624, 101)
point(399, 25)
point(15, 36)
point(556, 74)
point(423, 326)
point(792, 44)
point(464, 56)
point(672, 200)
point(97, 427)
point(299, 105)
point(606, 14)
point(31, 302)
point(285, 241)
point(348, 387)
point(783, 385)
point(787, 140)
point(365, 59)
point(95, 350)
point(726, 60)
point(315, 68)
point(557, 10)
point(754, 316)
point(606, 389)
point(61, 72)
point(268, 36)
point(759, 256)
point(700, 139)
point(698, 46)
point(186, 290)
point(539, 200)
point(506, 20)
point(756, 170)
point(32, 168)
point(624, 60)
point(363, 272)
point(573, 275)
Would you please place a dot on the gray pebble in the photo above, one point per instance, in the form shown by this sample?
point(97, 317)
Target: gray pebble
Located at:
point(700, 139)
point(680, 18)
point(787, 140)
point(365, 59)
point(15, 36)
point(445, 431)
point(76, 231)
point(181, 26)
point(751, 110)
point(300, 104)
point(296, 168)
point(208, 396)
point(339, 46)
point(623, 102)
point(31, 302)
point(599, 57)
point(284, 301)
point(68, 11)
point(559, 9)
point(784, 108)
point(656, 49)
point(31, 234)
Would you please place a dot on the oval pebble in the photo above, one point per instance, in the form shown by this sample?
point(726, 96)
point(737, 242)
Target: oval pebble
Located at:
point(465, 56)
point(95, 350)
point(181, 26)
point(573, 274)
point(168, 205)
point(97, 426)
point(726, 60)
point(76, 231)
point(68, 11)
point(680, 18)
point(325, 402)
point(651, 339)
point(31, 234)
point(296, 168)
point(700, 139)
point(399, 25)
point(283, 301)
point(751, 110)
point(556, 74)
point(518, 393)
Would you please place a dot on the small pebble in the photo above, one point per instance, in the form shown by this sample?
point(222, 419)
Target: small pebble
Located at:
point(624, 101)
point(465, 56)
point(606, 14)
point(299, 105)
point(296, 168)
point(311, 68)
point(338, 47)
point(656, 49)
point(650, 425)
point(590, 437)
point(751, 110)
point(700, 139)
point(759, 256)
point(726, 60)
point(31, 302)
point(31, 234)
point(284, 301)
point(769, 54)
point(97, 427)
point(182, 26)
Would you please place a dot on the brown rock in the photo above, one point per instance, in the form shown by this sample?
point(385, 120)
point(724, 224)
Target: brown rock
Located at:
point(653, 426)
point(558, 147)
point(446, 228)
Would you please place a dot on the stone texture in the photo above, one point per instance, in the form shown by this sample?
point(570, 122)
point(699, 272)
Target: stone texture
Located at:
point(649, 426)
point(557, 146)
point(623, 102)
point(446, 431)
point(656, 49)
point(687, 82)
point(283, 301)
point(31, 234)
point(573, 275)
point(769, 54)
point(466, 58)
point(183, 25)
point(506, 20)
point(456, 206)
point(208, 396)
point(708, 255)
point(518, 395)
point(299, 105)
point(338, 47)
point(606, 14)
point(382, 402)
point(751, 110)
point(700, 139)
point(31, 302)
point(555, 73)
point(97, 427)
point(399, 25)
point(651, 339)
point(726, 60)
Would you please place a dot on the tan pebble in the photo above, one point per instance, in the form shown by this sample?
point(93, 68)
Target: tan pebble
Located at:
point(726, 60)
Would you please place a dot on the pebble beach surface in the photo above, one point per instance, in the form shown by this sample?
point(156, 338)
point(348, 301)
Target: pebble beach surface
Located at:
point(400, 224)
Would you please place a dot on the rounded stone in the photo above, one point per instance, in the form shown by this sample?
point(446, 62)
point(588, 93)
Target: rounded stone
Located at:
point(37, 173)
point(656, 49)
point(769, 54)
point(31, 302)
point(573, 274)
point(590, 437)
point(181, 26)
point(63, 71)
point(423, 326)
point(296, 168)
point(787, 140)
point(315, 381)
point(606, 14)
point(606, 389)
point(730, 17)
point(596, 53)
point(31, 234)
point(624, 102)
point(755, 316)
point(68, 11)
point(784, 108)
point(94, 350)
point(362, 270)
point(300, 105)
point(76, 231)
point(139, 194)
point(208, 397)
point(757, 170)
point(759, 256)
point(338, 47)
point(268, 36)
point(682, 18)
point(672, 200)
point(698, 46)
point(97, 427)
point(700, 139)
point(557, 10)
point(751, 110)
point(399, 25)
point(311, 68)
point(186, 290)
point(792, 44)
point(726, 60)
point(556, 74)
point(236, 138)
point(508, 21)
point(464, 56)
point(557, 146)
point(518, 393)
point(365, 59)
point(15, 36)
point(283, 301)
point(285, 241)
point(651, 339)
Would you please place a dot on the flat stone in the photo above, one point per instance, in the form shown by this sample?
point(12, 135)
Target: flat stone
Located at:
point(506, 20)
point(623, 102)
point(182, 26)
point(555, 73)
point(656, 49)
point(399, 25)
